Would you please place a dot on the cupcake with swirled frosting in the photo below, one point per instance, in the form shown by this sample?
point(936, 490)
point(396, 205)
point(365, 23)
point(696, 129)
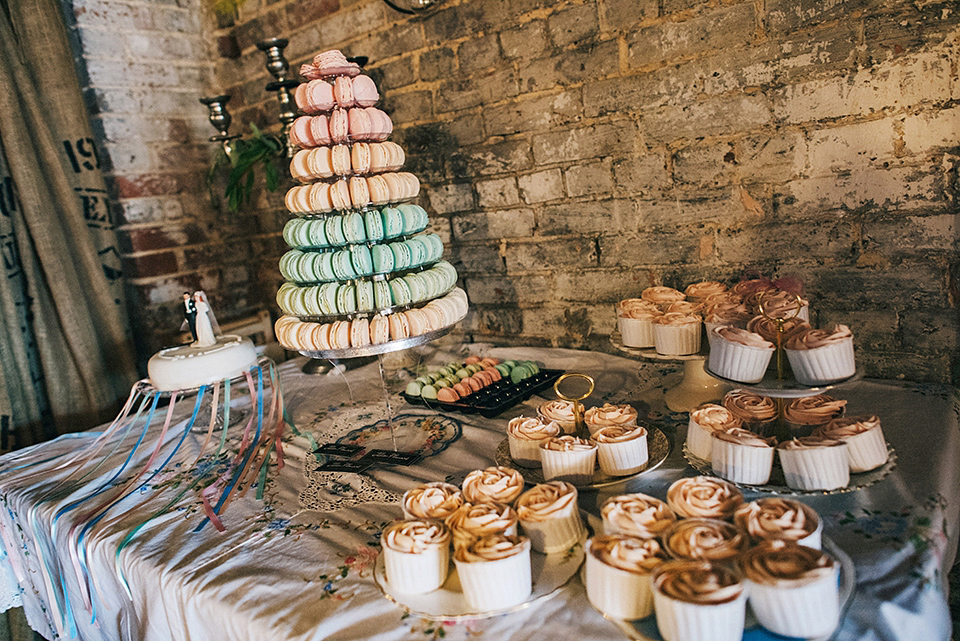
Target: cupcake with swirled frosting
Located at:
point(820, 356)
point(550, 517)
point(769, 328)
point(780, 304)
point(471, 522)
point(704, 421)
point(700, 539)
point(738, 354)
point(779, 519)
point(793, 589)
point(636, 515)
point(568, 458)
point(698, 601)
point(559, 412)
point(628, 304)
point(704, 289)
point(705, 497)
point(863, 435)
point(416, 555)
point(685, 307)
point(814, 463)
point(758, 413)
point(618, 569)
point(727, 313)
point(609, 415)
point(621, 449)
point(677, 333)
point(741, 456)
point(495, 572)
point(803, 415)
point(636, 324)
point(493, 484)
point(661, 296)
point(524, 436)
point(436, 500)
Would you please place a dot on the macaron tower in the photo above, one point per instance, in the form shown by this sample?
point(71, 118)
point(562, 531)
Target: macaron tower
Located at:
point(362, 271)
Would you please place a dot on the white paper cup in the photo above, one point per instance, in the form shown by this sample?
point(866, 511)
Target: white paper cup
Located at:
point(572, 466)
point(636, 332)
point(495, 585)
point(699, 440)
point(822, 365)
point(622, 458)
point(867, 450)
point(411, 573)
point(741, 463)
point(677, 340)
point(743, 363)
point(806, 611)
point(618, 593)
point(821, 468)
point(524, 452)
point(682, 621)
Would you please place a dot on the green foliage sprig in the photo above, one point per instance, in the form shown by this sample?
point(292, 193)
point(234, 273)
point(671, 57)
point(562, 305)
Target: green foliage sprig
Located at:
point(241, 168)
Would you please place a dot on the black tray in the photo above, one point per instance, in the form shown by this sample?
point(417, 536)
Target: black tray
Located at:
point(496, 398)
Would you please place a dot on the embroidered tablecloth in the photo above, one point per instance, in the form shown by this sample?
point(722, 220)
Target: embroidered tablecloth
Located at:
point(298, 564)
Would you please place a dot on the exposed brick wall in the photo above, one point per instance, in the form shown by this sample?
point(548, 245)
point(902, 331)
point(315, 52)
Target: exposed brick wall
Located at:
point(575, 153)
point(144, 66)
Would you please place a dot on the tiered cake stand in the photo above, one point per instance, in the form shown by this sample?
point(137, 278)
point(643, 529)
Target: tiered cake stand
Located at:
point(333, 115)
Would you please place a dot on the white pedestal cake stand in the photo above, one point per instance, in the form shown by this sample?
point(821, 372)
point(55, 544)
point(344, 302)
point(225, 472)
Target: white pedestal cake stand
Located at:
point(697, 386)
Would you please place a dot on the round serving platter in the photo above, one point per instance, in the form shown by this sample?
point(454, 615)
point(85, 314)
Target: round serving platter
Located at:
point(646, 629)
point(787, 387)
point(778, 484)
point(658, 448)
point(380, 348)
point(549, 572)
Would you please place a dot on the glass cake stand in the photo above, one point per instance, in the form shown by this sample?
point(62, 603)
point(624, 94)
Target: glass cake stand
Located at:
point(697, 386)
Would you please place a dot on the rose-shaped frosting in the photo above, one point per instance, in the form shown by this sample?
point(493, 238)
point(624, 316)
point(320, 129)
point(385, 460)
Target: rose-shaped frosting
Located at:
point(635, 304)
point(492, 548)
point(639, 556)
point(778, 304)
point(776, 518)
point(567, 443)
point(767, 327)
point(809, 443)
point(727, 312)
point(532, 429)
point(639, 313)
point(559, 411)
point(749, 406)
point(715, 417)
point(726, 297)
point(661, 295)
point(415, 537)
point(609, 414)
point(741, 436)
point(637, 515)
point(848, 426)
point(685, 307)
point(676, 318)
point(742, 336)
point(812, 338)
point(704, 289)
point(482, 519)
point(786, 564)
point(501, 484)
point(707, 539)
point(697, 582)
point(726, 306)
point(546, 501)
point(704, 497)
point(814, 410)
point(618, 433)
point(747, 287)
point(432, 500)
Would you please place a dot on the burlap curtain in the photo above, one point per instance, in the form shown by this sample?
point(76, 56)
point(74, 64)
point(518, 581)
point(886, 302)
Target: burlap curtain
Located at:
point(65, 352)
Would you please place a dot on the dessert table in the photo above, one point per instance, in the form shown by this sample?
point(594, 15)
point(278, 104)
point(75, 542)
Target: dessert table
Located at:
point(298, 564)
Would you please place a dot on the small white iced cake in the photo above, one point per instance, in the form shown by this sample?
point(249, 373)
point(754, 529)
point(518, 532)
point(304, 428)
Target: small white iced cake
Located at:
point(188, 366)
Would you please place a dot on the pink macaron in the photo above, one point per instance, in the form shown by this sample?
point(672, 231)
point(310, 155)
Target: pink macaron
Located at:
point(359, 332)
point(379, 330)
point(361, 157)
point(320, 162)
point(381, 125)
point(359, 124)
point(320, 197)
point(340, 195)
point(320, 130)
point(343, 92)
point(340, 126)
point(299, 166)
point(399, 328)
point(320, 336)
point(359, 192)
point(334, 63)
point(319, 96)
point(340, 160)
point(448, 395)
point(300, 134)
point(365, 91)
point(379, 190)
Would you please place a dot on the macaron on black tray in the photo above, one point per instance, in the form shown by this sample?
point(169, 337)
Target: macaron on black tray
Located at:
point(495, 398)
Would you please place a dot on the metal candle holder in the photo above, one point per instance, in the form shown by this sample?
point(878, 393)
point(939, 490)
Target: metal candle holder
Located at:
point(279, 68)
point(220, 118)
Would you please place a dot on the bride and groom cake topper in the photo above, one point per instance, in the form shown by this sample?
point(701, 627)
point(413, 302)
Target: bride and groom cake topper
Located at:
point(199, 319)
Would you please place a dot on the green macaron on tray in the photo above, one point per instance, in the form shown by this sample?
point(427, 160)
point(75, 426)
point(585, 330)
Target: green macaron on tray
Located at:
point(485, 386)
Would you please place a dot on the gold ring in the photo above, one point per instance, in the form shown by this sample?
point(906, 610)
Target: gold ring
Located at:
point(556, 386)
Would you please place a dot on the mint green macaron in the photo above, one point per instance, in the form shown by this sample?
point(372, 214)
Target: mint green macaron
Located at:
point(373, 221)
point(333, 229)
point(362, 260)
point(364, 296)
point(353, 229)
point(383, 261)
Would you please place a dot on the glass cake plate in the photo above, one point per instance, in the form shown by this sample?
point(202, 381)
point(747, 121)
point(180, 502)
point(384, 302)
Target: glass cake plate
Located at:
point(778, 484)
point(549, 572)
point(658, 448)
point(788, 387)
point(646, 629)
